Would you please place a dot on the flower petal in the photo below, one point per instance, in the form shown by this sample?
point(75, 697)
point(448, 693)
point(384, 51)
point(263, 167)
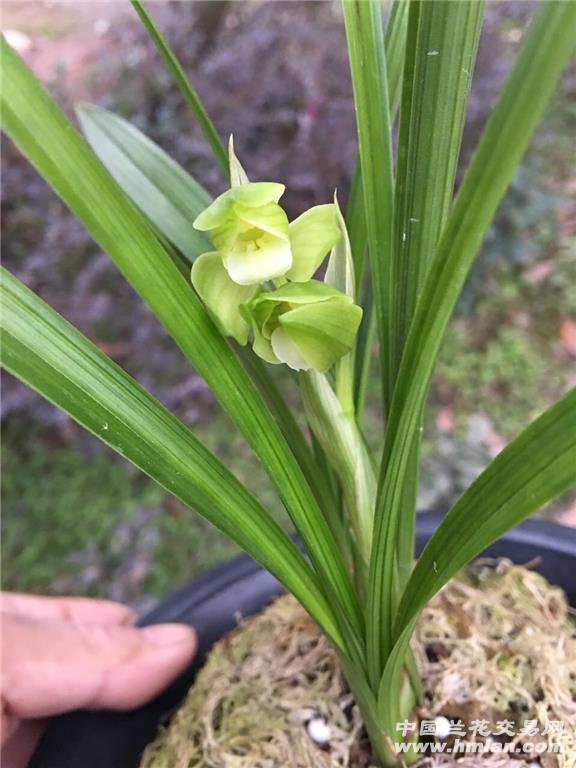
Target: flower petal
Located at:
point(312, 235)
point(262, 315)
point(323, 332)
point(257, 193)
point(263, 348)
point(287, 351)
point(252, 194)
point(270, 218)
point(303, 293)
point(266, 317)
point(216, 213)
point(271, 259)
point(222, 295)
point(224, 235)
point(238, 175)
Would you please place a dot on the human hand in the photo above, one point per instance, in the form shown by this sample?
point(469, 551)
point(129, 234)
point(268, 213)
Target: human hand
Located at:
point(60, 654)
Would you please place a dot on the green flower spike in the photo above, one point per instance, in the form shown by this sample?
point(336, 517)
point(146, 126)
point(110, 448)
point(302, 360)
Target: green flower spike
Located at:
point(305, 325)
point(251, 233)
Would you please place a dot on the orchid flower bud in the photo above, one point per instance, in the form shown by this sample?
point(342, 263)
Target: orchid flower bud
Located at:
point(305, 325)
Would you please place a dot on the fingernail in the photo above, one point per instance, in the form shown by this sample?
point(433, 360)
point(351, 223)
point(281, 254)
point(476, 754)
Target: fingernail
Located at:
point(168, 634)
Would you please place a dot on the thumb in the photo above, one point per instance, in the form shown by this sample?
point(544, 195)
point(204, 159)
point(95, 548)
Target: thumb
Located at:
point(55, 666)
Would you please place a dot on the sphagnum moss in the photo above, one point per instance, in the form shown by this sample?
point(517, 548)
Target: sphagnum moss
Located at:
point(496, 643)
point(253, 698)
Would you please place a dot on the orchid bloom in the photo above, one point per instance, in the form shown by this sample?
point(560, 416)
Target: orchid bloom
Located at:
point(307, 326)
point(302, 323)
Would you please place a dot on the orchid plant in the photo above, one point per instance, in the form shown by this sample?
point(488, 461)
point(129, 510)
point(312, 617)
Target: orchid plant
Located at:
point(397, 262)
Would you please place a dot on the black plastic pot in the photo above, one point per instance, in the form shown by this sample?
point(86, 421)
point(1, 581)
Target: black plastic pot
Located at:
point(211, 602)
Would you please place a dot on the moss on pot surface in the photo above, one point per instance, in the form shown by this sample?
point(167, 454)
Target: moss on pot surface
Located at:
point(256, 695)
point(496, 644)
point(500, 644)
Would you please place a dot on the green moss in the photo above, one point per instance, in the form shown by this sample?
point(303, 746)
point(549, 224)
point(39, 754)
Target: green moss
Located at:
point(252, 700)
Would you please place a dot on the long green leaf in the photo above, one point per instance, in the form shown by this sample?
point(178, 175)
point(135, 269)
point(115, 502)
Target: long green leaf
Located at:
point(185, 86)
point(547, 47)
point(394, 45)
point(36, 124)
point(440, 54)
point(356, 226)
point(162, 190)
point(536, 467)
point(52, 357)
point(441, 51)
point(363, 21)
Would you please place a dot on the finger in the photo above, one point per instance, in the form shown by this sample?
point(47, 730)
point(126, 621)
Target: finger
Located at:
point(51, 666)
point(17, 752)
point(66, 608)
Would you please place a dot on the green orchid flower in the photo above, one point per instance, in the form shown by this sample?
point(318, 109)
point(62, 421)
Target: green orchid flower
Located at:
point(250, 231)
point(307, 326)
point(255, 244)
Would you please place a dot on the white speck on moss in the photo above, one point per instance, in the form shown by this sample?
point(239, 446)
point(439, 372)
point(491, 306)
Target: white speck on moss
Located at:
point(319, 731)
point(442, 727)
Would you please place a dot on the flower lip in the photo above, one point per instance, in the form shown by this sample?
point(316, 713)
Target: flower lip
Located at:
point(257, 260)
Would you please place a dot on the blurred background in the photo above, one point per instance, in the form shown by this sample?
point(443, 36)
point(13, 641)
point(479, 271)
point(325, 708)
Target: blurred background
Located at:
point(77, 518)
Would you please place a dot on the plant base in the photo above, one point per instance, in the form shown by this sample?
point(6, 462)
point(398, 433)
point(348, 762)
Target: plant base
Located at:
point(496, 644)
